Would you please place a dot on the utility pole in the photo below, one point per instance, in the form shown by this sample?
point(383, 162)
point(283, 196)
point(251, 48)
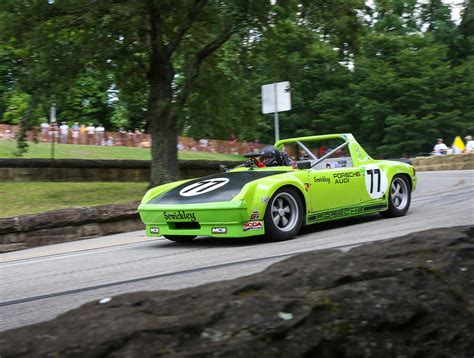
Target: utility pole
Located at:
point(52, 129)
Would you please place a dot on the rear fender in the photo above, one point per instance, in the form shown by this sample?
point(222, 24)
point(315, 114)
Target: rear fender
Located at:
point(393, 168)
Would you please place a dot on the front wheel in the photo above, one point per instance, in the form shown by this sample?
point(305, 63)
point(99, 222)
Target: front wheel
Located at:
point(284, 215)
point(180, 238)
point(399, 198)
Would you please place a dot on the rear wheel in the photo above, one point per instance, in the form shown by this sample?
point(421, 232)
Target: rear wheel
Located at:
point(284, 215)
point(399, 197)
point(180, 238)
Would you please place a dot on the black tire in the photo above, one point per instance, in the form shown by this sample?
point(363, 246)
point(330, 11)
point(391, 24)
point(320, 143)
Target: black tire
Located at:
point(284, 215)
point(399, 197)
point(180, 238)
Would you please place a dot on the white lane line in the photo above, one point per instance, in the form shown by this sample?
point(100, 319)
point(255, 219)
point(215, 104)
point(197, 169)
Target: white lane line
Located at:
point(78, 253)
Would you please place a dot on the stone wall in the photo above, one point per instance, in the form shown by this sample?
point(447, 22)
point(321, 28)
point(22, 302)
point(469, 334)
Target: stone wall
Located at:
point(79, 170)
point(67, 225)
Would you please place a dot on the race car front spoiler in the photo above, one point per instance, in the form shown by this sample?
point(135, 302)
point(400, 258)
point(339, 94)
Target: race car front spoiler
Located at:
point(221, 219)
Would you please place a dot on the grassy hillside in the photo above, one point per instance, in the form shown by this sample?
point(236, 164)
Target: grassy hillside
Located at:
point(31, 198)
point(71, 151)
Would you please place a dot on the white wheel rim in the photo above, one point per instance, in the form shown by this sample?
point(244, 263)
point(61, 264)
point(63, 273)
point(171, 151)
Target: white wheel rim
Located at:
point(399, 193)
point(284, 212)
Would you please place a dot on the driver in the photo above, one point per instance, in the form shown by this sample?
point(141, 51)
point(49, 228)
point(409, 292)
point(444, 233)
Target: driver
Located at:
point(270, 156)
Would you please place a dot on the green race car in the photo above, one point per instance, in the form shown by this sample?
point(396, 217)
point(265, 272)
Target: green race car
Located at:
point(300, 182)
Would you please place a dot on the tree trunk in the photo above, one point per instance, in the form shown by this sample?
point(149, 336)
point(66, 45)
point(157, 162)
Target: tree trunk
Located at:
point(162, 121)
point(163, 130)
point(164, 165)
point(161, 115)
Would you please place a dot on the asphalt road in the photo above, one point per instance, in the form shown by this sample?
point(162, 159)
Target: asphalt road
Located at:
point(38, 284)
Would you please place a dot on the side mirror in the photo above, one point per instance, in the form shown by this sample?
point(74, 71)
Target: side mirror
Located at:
point(222, 168)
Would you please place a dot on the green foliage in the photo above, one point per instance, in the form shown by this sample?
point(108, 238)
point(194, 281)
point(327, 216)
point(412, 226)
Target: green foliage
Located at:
point(17, 106)
point(87, 100)
point(396, 73)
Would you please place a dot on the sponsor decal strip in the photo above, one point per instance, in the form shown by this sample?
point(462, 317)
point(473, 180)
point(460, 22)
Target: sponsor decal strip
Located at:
point(219, 230)
point(179, 215)
point(252, 225)
point(255, 215)
point(332, 214)
point(345, 177)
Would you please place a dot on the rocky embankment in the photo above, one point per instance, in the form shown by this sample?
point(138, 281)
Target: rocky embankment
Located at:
point(65, 225)
point(408, 297)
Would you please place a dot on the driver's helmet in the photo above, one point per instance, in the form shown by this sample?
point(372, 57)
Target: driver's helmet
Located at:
point(270, 156)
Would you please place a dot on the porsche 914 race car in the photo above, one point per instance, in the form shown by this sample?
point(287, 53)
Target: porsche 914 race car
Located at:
point(299, 181)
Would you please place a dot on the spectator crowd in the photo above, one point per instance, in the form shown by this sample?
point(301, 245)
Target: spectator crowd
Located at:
point(458, 147)
point(97, 135)
point(90, 134)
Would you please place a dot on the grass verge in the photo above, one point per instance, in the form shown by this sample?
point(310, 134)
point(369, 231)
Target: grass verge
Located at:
point(20, 198)
point(74, 151)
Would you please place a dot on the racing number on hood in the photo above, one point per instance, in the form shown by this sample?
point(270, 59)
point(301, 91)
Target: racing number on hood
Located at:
point(203, 186)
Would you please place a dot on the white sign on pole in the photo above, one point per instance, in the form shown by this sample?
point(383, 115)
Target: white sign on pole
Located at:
point(276, 97)
point(52, 114)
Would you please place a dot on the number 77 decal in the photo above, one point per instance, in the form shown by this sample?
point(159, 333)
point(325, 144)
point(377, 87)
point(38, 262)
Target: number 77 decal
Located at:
point(372, 173)
point(375, 181)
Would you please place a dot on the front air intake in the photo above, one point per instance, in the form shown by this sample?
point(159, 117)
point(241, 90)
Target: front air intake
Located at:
point(184, 225)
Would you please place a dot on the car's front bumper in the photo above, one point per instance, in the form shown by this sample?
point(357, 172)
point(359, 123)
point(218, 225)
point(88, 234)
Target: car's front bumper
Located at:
point(220, 219)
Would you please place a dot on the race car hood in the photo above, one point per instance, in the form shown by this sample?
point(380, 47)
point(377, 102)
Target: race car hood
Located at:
point(213, 188)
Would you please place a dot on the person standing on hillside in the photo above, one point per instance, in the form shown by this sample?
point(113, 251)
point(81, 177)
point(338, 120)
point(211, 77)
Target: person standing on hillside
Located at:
point(64, 130)
point(83, 134)
point(138, 137)
point(90, 134)
point(75, 133)
point(44, 131)
point(122, 137)
point(131, 138)
point(99, 134)
point(440, 148)
point(469, 144)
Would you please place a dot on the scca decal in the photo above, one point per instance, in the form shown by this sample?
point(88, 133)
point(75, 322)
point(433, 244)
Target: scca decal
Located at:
point(203, 186)
point(252, 225)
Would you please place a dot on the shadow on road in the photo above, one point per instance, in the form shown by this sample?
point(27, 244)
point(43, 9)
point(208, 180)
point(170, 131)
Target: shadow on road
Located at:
point(204, 241)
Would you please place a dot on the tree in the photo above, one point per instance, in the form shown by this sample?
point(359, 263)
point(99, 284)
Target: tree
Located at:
point(159, 44)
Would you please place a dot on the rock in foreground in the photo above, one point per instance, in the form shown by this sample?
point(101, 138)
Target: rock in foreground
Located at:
point(408, 297)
